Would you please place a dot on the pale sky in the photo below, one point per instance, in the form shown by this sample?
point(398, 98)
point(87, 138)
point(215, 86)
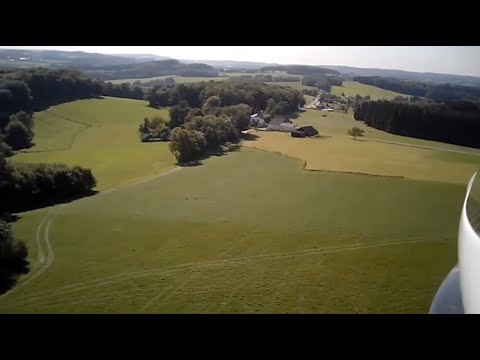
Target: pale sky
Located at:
point(462, 60)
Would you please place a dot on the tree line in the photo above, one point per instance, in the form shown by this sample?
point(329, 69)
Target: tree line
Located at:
point(322, 82)
point(436, 92)
point(264, 78)
point(455, 122)
point(25, 187)
point(13, 257)
point(256, 95)
point(124, 90)
point(193, 132)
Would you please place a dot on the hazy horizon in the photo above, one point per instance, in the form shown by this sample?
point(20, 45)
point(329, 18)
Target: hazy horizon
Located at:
point(458, 60)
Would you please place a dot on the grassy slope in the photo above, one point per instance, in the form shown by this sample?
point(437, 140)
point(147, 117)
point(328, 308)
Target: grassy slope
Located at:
point(223, 76)
point(338, 152)
point(280, 216)
point(352, 88)
point(337, 123)
point(100, 134)
point(343, 154)
point(178, 79)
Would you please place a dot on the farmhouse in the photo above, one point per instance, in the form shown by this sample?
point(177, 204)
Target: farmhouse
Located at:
point(257, 120)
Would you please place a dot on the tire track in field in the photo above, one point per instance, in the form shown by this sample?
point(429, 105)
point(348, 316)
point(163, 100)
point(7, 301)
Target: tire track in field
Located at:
point(43, 245)
point(44, 262)
point(190, 266)
point(214, 263)
point(50, 253)
point(155, 299)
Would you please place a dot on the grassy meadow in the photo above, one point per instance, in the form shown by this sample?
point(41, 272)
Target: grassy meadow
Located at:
point(254, 233)
point(343, 154)
point(100, 134)
point(185, 79)
point(337, 123)
point(248, 232)
point(352, 88)
point(178, 79)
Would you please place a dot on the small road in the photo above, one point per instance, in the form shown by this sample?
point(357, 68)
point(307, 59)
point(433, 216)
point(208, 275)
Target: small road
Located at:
point(312, 104)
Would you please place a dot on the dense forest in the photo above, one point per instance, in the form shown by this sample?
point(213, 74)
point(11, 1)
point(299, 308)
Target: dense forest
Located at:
point(204, 116)
point(454, 122)
point(436, 92)
point(255, 95)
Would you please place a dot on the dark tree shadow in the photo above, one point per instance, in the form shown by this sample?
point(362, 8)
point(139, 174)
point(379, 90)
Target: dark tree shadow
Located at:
point(321, 137)
point(223, 150)
point(191, 163)
point(249, 137)
point(8, 217)
point(42, 107)
point(9, 274)
point(40, 204)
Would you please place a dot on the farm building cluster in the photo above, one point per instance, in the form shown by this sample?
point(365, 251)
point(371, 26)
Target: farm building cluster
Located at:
point(282, 124)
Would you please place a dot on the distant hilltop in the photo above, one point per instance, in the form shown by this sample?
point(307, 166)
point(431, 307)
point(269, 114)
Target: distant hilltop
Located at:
point(107, 66)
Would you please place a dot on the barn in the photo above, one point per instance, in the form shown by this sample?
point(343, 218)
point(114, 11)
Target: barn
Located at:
point(309, 130)
point(284, 127)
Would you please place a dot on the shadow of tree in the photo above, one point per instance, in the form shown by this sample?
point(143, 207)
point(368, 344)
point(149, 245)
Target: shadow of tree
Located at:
point(249, 137)
point(9, 273)
point(221, 151)
point(48, 202)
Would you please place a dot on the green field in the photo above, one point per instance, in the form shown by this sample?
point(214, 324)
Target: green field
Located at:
point(336, 151)
point(337, 123)
point(352, 88)
point(223, 76)
point(178, 79)
point(247, 232)
point(100, 134)
point(274, 74)
point(290, 241)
